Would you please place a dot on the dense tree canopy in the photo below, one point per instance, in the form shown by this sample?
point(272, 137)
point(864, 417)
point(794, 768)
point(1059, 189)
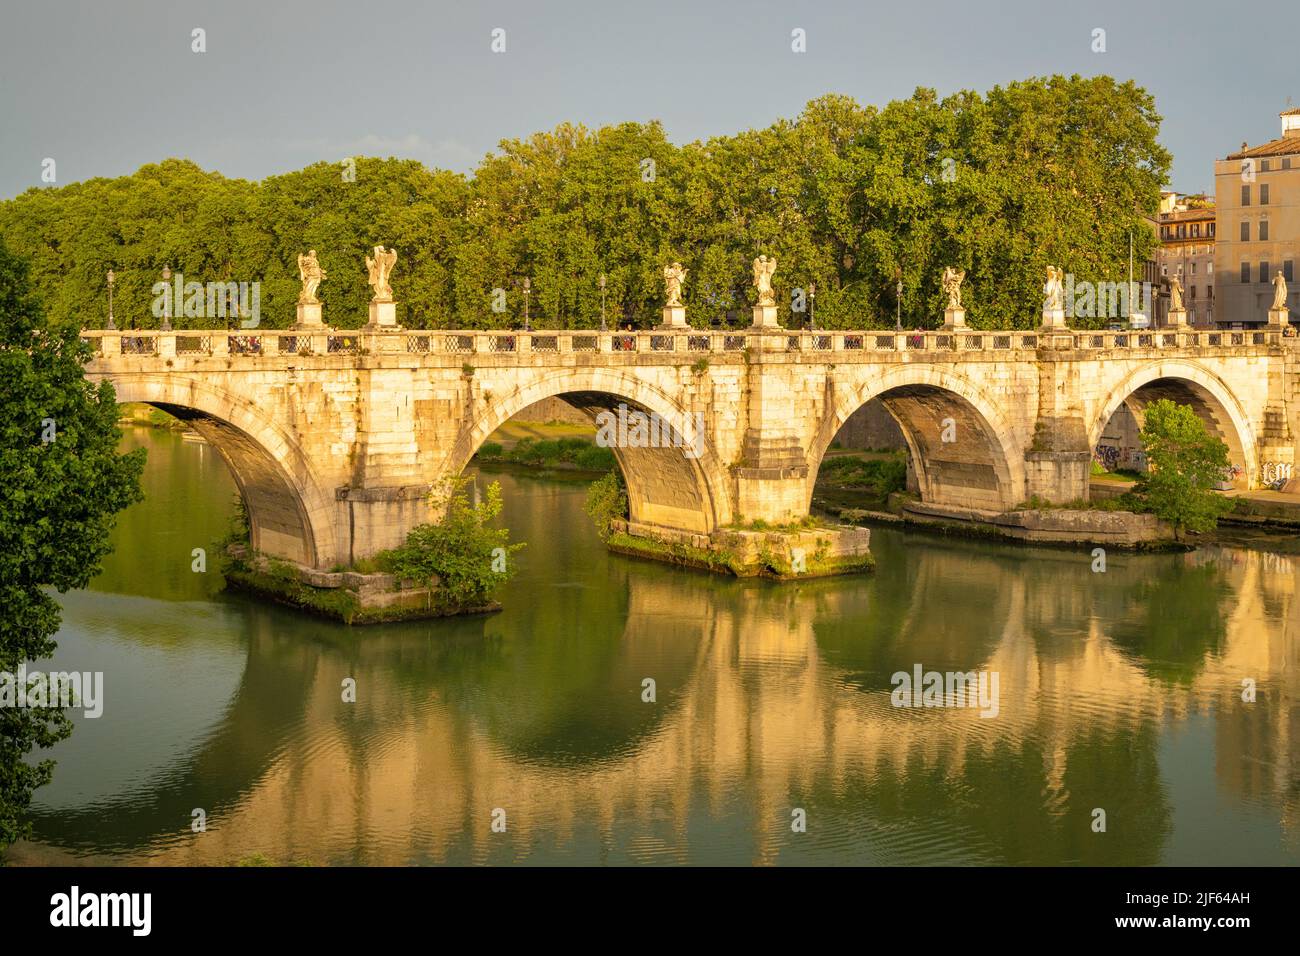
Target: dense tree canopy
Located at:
point(1055, 170)
point(62, 483)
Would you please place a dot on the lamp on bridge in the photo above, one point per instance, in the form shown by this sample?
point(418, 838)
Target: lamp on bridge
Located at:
point(812, 306)
point(167, 300)
point(898, 303)
point(111, 326)
point(528, 287)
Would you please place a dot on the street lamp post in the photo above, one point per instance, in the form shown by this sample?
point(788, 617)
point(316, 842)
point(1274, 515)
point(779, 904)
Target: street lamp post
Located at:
point(167, 299)
point(898, 300)
point(528, 287)
point(111, 326)
point(812, 306)
point(603, 326)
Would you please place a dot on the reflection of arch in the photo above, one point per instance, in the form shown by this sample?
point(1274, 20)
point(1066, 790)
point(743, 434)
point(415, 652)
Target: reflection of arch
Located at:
point(665, 486)
point(987, 473)
point(289, 514)
point(1186, 384)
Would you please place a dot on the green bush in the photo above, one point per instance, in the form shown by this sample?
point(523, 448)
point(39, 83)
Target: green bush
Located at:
point(595, 458)
point(607, 501)
point(460, 552)
point(490, 449)
point(1185, 462)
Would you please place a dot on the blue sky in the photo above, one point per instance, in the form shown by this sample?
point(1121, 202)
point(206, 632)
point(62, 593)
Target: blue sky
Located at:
point(104, 87)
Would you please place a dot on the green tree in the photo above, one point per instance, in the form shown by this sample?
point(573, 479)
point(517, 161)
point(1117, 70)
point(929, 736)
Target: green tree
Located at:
point(1184, 463)
point(62, 483)
point(460, 554)
point(1050, 170)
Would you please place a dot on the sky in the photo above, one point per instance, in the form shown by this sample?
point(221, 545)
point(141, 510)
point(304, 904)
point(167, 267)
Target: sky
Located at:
point(104, 86)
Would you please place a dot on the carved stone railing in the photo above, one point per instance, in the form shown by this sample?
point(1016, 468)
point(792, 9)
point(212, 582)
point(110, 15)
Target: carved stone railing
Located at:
point(197, 343)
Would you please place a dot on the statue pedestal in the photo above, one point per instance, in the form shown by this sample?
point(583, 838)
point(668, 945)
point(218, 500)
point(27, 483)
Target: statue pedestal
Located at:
point(1054, 319)
point(309, 316)
point(674, 317)
point(954, 320)
point(1279, 318)
point(765, 317)
point(1177, 319)
point(383, 315)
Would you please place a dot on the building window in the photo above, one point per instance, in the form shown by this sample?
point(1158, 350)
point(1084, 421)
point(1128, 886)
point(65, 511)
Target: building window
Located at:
point(1263, 168)
point(1263, 194)
point(1245, 272)
point(1286, 162)
point(1193, 268)
point(1245, 195)
point(1263, 231)
point(1196, 230)
point(1245, 232)
point(1191, 292)
point(1211, 229)
point(1288, 270)
point(1263, 272)
point(1209, 292)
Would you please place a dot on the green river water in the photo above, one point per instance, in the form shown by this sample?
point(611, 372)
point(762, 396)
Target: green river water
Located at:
point(1119, 690)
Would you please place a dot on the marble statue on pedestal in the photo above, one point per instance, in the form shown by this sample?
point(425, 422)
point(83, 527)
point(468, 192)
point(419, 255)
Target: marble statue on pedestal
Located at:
point(380, 268)
point(312, 274)
point(763, 269)
point(674, 276)
point(952, 280)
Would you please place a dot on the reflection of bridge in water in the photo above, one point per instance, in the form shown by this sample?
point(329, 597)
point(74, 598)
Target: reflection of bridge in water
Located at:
point(335, 438)
point(775, 692)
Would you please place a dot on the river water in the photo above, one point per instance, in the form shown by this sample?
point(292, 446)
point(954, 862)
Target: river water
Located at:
point(1118, 691)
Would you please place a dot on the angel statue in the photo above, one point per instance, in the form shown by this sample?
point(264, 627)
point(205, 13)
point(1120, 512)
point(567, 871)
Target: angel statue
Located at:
point(674, 276)
point(311, 273)
point(1176, 294)
point(952, 280)
point(1053, 293)
point(380, 268)
point(1279, 290)
point(763, 269)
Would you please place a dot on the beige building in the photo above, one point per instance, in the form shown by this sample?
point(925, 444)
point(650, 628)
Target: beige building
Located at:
point(1258, 203)
point(1186, 252)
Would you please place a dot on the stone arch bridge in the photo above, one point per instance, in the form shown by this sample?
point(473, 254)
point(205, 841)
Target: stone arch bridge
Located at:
point(335, 438)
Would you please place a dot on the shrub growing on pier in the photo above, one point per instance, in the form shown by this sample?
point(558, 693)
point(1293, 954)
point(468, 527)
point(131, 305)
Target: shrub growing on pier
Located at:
point(1184, 462)
point(460, 553)
point(607, 501)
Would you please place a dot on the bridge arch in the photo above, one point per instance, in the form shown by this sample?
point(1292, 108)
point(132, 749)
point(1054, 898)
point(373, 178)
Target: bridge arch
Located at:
point(289, 512)
point(666, 486)
point(982, 467)
point(1186, 383)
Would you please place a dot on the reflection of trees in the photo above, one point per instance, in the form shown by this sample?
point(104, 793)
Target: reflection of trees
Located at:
point(1173, 619)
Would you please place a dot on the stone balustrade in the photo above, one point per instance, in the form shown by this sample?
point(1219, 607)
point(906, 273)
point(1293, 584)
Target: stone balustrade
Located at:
point(936, 344)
